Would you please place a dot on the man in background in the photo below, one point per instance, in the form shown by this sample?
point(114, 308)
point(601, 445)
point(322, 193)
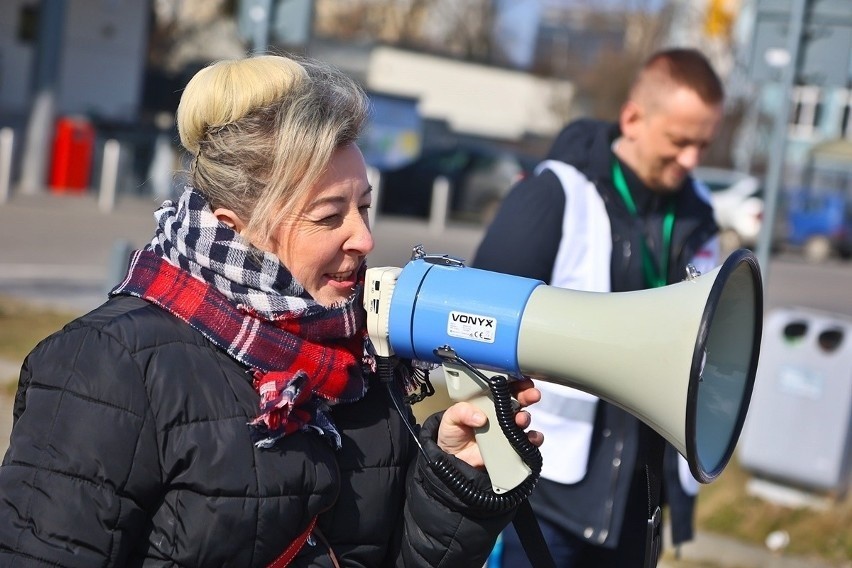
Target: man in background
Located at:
point(613, 209)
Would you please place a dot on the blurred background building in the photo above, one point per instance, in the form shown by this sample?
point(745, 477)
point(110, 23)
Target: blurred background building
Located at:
point(492, 77)
point(467, 96)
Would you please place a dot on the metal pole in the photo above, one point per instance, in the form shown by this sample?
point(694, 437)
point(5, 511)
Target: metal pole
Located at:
point(109, 176)
point(779, 137)
point(7, 140)
point(36, 149)
point(260, 14)
point(375, 179)
point(118, 259)
point(439, 206)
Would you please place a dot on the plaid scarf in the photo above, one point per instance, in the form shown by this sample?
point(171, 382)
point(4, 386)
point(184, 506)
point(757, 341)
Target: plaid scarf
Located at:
point(304, 356)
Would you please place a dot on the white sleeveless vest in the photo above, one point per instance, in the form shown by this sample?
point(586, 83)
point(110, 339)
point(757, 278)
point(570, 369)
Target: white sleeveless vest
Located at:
point(565, 415)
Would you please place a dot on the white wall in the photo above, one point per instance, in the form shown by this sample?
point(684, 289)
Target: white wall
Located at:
point(474, 99)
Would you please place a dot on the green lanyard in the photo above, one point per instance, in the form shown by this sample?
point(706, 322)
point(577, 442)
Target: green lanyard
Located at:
point(653, 277)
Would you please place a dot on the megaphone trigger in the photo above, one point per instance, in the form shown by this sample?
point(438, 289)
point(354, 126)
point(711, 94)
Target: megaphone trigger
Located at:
point(509, 457)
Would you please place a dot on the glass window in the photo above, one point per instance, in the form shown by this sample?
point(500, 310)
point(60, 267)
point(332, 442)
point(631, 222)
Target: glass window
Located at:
point(807, 110)
point(846, 125)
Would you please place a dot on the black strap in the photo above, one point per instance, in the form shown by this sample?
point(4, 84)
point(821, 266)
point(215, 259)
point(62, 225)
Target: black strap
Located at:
point(533, 541)
point(531, 538)
point(654, 477)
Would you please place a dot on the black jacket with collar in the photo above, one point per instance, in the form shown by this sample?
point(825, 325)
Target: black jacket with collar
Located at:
point(523, 240)
point(130, 447)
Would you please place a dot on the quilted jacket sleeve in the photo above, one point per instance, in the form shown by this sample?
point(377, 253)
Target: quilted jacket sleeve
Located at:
point(80, 389)
point(439, 529)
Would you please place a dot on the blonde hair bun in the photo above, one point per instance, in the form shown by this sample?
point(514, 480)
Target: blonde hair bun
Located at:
point(226, 91)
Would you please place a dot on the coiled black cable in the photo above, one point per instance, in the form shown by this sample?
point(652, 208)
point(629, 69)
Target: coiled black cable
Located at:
point(487, 500)
point(442, 466)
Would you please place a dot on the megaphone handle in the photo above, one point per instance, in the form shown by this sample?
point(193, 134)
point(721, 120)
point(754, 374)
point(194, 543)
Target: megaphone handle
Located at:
point(505, 466)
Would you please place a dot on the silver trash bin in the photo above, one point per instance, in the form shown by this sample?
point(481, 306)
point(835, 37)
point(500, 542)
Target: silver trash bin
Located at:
point(800, 419)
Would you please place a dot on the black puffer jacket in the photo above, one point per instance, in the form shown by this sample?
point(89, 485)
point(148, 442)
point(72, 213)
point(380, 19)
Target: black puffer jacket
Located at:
point(131, 448)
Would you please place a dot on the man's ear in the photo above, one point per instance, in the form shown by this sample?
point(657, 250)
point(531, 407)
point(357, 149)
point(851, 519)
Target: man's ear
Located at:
point(630, 118)
point(230, 219)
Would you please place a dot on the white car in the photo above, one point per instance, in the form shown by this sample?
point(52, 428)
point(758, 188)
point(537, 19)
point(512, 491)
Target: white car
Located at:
point(737, 205)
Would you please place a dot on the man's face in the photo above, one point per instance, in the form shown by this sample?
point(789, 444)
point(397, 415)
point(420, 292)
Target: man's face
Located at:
point(668, 138)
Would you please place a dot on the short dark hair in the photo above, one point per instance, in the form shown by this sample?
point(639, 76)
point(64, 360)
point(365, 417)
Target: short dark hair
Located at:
point(684, 67)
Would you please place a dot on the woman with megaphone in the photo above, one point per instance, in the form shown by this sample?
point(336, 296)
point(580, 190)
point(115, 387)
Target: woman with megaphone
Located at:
point(224, 407)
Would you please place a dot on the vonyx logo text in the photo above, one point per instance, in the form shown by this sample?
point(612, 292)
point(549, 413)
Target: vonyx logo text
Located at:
point(474, 320)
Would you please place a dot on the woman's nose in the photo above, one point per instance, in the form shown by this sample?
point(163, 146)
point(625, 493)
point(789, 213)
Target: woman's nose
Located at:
point(361, 238)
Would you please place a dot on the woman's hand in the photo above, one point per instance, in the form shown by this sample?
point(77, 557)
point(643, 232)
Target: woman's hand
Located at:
point(456, 432)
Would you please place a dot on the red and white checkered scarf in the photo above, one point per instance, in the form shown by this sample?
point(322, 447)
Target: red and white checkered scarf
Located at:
point(304, 356)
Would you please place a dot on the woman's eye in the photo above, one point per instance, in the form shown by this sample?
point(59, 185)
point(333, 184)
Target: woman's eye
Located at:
point(329, 219)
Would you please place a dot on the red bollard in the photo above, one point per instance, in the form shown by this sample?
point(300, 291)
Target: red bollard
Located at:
point(71, 166)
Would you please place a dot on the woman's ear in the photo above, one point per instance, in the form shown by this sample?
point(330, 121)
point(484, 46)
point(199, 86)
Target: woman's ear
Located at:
point(229, 219)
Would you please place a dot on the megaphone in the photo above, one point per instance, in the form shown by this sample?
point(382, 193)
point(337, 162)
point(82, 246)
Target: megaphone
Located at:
point(682, 358)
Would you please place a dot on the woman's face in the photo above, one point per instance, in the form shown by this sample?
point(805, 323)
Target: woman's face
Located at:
point(324, 242)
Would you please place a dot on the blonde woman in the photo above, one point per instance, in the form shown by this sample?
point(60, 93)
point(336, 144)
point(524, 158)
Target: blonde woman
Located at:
point(222, 407)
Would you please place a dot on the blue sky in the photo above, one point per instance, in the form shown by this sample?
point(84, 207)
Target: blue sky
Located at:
point(517, 23)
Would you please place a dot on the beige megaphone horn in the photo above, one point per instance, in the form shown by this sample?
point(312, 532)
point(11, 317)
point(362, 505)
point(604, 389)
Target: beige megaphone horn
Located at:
point(682, 358)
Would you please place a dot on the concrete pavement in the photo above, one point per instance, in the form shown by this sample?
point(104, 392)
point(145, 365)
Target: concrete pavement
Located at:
point(61, 251)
